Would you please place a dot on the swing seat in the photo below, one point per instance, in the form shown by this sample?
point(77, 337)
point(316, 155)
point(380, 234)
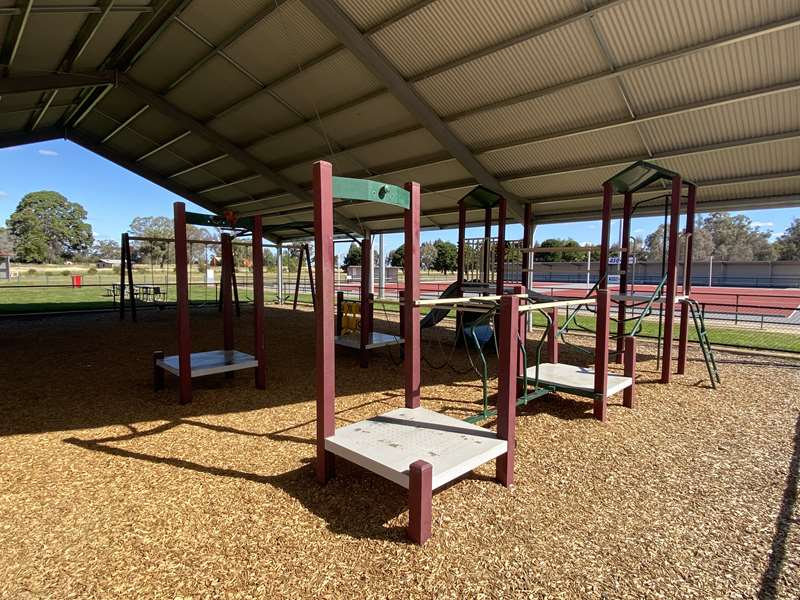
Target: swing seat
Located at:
point(482, 333)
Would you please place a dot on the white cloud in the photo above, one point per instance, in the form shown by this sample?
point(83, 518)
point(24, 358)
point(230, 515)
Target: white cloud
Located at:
point(3, 194)
point(640, 230)
point(763, 224)
point(47, 152)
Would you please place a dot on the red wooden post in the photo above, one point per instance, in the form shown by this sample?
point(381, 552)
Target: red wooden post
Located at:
point(672, 272)
point(420, 496)
point(623, 273)
point(552, 337)
point(366, 285)
point(501, 246)
point(507, 393)
point(527, 238)
point(182, 306)
point(605, 234)
point(629, 395)
point(324, 347)
point(258, 303)
point(687, 286)
point(601, 357)
point(411, 310)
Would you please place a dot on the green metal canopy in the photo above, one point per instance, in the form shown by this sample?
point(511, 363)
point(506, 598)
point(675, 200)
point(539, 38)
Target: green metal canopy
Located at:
point(480, 197)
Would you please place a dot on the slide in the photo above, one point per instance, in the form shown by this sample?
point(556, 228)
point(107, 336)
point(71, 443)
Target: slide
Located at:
point(437, 314)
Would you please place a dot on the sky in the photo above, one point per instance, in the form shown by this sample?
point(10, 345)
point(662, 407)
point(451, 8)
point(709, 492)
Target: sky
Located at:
point(113, 197)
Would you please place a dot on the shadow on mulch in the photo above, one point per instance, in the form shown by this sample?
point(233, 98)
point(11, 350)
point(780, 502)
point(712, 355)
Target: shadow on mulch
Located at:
point(783, 524)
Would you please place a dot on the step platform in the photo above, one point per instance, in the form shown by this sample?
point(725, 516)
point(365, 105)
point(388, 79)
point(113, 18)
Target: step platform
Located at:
point(376, 340)
point(387, 444)
point(574, 379)
point(211, 362)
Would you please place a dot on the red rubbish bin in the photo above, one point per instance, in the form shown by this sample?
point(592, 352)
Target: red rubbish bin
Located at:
point(77, 280)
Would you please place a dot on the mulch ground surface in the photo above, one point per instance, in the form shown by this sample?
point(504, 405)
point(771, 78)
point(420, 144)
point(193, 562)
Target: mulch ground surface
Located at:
point(109, 489)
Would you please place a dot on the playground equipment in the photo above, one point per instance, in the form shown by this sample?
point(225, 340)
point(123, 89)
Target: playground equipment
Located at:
point(304, 252)
point(187, 364)
point(669, 293)
point(414, 447)
point(156, 293)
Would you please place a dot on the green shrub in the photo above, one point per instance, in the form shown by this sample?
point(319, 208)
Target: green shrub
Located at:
point(65, 272)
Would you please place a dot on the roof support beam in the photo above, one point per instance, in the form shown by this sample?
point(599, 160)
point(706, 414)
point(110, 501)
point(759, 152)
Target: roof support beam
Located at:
point(55, 81)
point(57, 9)
point(14, 35)
point(243, 156)
point(119, 159)
point(20, 138)
point(332, 16)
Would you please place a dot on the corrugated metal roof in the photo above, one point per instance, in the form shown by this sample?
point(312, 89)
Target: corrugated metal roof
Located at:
point(544, 115)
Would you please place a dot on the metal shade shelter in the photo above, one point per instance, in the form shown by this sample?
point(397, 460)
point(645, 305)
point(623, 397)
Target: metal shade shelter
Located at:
point(228, 104)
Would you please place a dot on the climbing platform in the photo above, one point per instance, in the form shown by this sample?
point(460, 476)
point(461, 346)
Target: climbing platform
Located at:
point(387, 445)
point(376, 339)
point(579, 380)
point(210, 363)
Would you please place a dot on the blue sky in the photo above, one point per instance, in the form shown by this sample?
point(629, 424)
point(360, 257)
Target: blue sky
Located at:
point(113, 196)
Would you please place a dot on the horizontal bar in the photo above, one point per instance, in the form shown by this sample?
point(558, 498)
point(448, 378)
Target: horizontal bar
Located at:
point(557, 304)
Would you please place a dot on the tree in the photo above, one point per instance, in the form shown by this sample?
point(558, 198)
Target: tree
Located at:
point(736, 239)
point(788, 244)
point(105, 249)
point(577, 255)
point(427, 255)
point(446, 256)
point(153, 227)
point(47, 227)
point(396, 256)
point(353, 256)
point(6, 242)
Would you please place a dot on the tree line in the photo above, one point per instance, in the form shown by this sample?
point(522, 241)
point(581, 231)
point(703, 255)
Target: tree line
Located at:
point(48, 228)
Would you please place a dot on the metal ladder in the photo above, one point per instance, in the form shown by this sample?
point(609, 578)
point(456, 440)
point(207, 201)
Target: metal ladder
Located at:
point(705, 343)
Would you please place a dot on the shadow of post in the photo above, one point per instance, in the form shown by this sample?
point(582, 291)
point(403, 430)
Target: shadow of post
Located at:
point(777, 557)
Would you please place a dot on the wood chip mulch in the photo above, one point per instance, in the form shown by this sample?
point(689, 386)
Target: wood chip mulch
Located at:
point(110, 490)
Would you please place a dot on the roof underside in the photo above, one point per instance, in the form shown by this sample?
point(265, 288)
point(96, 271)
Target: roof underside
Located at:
point(229, 103)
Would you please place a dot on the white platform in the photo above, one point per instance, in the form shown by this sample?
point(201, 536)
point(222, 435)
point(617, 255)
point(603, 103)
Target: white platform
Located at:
point(209, 363)
point(643, 299)
point(576, 378)
point(376, 340)
point(389, 443)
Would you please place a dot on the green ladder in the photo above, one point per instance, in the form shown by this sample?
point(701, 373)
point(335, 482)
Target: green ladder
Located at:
point(705, 343)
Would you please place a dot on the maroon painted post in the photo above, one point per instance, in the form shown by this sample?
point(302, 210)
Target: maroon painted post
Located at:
point(527, 238)
point(501, 246)
point(411, 310)
point(324, 347)
point(420, 497)
point(601, 357)
point(552, 337)
point(182, 305)
point(258, 303)
point(672, 273)
point(623, 273)
point(158, 372)
point(366, 285)
point(687, 286)
point(227, 296)
point(507, 380)
point(629, 395)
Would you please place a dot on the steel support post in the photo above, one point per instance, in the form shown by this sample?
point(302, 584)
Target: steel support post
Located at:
point(672, 274)
point(258, 303)
point(683, 343)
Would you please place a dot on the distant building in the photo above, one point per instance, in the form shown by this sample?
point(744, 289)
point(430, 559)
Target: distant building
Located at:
point(108, 263)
